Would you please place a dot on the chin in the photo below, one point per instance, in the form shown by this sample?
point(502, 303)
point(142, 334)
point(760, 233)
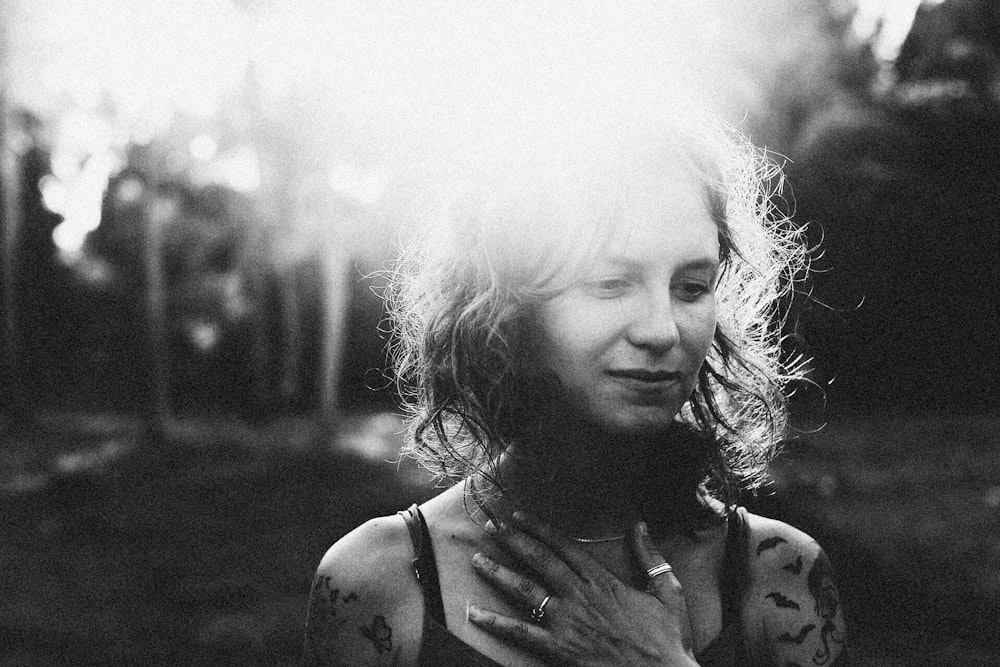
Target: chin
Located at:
point(613, 417)
point(640, 425)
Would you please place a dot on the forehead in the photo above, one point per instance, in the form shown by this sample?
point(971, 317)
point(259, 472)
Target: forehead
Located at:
point(551, 209)
point(670, 221)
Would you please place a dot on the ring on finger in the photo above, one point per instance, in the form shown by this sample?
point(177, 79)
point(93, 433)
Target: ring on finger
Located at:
point(538, 613)
point(657, 570)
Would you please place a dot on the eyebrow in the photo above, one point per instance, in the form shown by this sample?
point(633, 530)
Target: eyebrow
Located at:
point(711, 263)
point(706, 263)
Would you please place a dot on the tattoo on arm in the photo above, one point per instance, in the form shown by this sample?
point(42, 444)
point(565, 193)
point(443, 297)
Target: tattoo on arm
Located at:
point(323, 620)
point(794, 568)
point(379, 634)
point(796, 639)
point(770, 543)
point(781, 601)
point(824, 591)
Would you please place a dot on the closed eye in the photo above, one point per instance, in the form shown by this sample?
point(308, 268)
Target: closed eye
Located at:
point(607, 288)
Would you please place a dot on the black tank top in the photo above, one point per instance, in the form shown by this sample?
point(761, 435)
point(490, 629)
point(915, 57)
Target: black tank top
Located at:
point(440, 648)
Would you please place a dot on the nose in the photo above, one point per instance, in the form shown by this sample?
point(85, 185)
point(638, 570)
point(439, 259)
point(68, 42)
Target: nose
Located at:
point(653, 325)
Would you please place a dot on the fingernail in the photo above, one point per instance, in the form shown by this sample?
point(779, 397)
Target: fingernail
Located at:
point(490, 527)
point(643, 529)
point(472, 613)
point(481, 560)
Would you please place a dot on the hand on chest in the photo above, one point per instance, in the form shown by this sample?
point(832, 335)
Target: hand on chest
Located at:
point(697, 566)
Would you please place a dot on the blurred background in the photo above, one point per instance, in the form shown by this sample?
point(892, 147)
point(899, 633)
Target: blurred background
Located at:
point(196, 199)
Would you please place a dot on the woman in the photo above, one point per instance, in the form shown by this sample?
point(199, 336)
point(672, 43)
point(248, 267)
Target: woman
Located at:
point(591, 337)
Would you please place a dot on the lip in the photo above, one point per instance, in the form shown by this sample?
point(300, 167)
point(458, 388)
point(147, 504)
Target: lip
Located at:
point(645, 375)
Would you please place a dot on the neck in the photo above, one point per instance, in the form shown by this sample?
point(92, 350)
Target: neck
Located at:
point(585, 482)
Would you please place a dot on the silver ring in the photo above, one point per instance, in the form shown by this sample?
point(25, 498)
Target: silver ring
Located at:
point(538, 613)
point(657, 570)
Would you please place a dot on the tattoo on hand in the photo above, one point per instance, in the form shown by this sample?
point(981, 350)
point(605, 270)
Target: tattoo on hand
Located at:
point(823, 589)
point(379, 634)
point(782, 602)
point(796, 639)
point(794, 568)
point(770, 543)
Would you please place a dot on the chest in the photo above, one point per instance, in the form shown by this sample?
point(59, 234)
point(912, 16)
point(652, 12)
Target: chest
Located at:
point(697, 567)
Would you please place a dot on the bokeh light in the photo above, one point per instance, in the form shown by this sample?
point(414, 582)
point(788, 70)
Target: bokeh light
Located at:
point(888, 22)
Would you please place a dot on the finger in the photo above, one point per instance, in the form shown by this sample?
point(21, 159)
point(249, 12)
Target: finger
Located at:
point(664, 585)
point(519, 587)
point(569, 552)
point(555, 574)
point(520, 633)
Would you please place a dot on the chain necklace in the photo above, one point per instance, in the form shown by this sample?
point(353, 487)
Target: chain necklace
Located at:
point(583, 540)
point(599, 540)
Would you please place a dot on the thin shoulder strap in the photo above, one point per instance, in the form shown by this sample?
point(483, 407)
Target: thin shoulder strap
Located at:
point(736, 566)
point(424, 565)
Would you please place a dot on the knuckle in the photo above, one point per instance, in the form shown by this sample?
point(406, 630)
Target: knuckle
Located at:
point(672, 584)
point(524, 587)
point(605, 585)
point(670, 589)
point(540, 556)
point(563, 543)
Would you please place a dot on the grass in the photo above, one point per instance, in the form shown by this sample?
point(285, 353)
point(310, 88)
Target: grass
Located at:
point(202, 553)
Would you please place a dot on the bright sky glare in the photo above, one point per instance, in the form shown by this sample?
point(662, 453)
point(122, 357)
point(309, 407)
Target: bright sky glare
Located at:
point(895, 17)
point(426, 79)
point(394, 65)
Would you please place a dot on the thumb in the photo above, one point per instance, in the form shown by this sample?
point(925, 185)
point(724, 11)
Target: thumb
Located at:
point(662, 584)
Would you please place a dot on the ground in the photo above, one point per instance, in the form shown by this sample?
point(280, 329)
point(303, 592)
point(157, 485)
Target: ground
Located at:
point(119, 551)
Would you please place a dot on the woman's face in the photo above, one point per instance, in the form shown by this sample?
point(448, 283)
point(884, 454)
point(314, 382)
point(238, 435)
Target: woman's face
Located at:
point(627, 339)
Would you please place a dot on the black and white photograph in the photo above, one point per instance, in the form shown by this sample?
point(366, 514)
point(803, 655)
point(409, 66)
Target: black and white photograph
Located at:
point(500, 333)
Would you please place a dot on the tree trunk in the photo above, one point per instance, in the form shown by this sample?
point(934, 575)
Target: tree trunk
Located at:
point(16, 403)
point(158, 211)
point(290, 371)
point(336, 297)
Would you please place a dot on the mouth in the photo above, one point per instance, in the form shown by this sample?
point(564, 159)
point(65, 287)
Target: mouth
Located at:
point(643, 375)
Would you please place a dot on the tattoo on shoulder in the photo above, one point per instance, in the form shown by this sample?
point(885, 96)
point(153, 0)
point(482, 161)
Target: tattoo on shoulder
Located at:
point(796, 639)
point(379, 634)
point(794, 568)
point(824, 592)
point(769, 543)
point(782, 602)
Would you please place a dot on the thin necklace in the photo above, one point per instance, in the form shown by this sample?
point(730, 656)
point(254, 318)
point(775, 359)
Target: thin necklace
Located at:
point(584, 540)
point(599, 540)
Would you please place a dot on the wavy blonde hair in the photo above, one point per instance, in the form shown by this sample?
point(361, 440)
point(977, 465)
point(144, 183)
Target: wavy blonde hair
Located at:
point(518, 226)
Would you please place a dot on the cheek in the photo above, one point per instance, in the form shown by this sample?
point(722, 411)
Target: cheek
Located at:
point(553, 337)
point(566, 327)
point(701, 331)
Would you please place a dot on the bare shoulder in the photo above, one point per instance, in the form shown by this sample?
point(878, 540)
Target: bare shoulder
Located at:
point(793, 610)
point(365, 607)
